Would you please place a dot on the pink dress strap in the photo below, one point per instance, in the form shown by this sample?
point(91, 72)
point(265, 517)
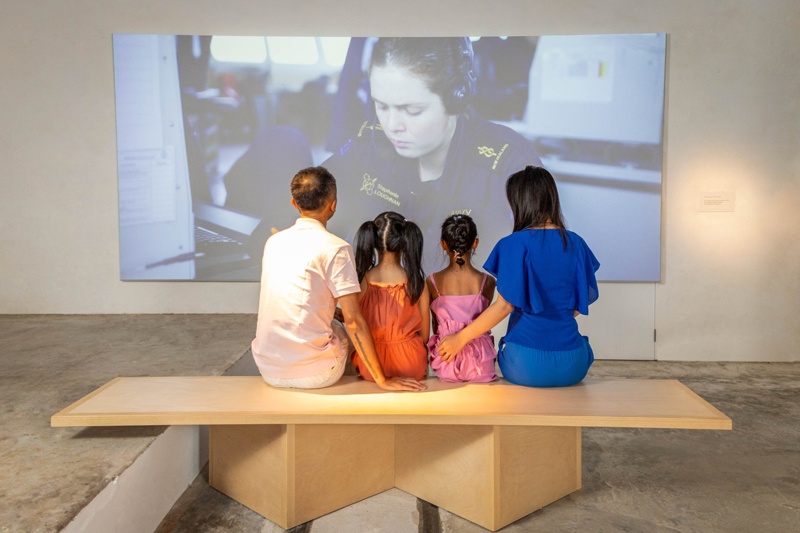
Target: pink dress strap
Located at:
point(433, 282)
point(483, 283)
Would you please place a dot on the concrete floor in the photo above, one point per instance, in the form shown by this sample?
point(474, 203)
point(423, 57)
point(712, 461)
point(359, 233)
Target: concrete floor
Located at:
point(47, 475)
point(745, 480)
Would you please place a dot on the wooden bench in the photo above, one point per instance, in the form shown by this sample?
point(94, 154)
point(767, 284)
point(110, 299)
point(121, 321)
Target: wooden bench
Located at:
point(491, 453)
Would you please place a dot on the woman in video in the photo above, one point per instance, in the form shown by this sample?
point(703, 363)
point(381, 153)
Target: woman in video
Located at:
point(427, 153)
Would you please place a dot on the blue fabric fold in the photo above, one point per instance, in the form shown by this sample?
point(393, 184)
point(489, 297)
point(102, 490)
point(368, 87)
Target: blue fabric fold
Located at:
point(532, 270)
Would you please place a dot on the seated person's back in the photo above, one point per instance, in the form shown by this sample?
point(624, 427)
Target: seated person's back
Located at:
point(306, 272)
point(305, 268)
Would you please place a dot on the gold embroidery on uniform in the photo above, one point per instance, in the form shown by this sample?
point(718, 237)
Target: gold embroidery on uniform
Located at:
point(387, 194)
point(367, 126)
point(485, 150)
point(497, 159)
point(368, 184)
point(489, 152)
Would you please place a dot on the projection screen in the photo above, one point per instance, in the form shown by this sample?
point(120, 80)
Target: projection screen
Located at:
point(211, 129)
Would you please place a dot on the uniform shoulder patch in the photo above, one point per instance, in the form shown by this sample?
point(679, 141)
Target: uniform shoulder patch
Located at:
point(368, 126)
point(491, 154)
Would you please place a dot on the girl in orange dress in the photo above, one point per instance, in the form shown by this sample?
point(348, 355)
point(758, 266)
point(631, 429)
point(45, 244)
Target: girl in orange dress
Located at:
point(393, 297)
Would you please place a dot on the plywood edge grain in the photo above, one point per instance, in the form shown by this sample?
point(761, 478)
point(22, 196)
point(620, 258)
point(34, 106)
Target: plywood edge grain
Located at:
point(61, 419)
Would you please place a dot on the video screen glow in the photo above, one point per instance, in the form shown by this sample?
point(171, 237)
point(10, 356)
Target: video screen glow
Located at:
point(211, 129)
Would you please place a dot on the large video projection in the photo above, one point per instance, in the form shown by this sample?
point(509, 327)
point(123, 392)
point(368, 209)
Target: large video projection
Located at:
point(211, 129)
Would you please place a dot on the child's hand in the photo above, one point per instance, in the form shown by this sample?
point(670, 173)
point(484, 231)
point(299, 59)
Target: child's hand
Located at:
point(402, 384)
point(449, 346)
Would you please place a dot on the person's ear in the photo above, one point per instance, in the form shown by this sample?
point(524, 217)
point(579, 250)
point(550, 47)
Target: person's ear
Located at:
point(444, 245)
point(294, 204)
point(329, 209)
point(475, 243)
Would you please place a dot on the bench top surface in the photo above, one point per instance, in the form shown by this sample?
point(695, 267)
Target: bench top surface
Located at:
point(219, 400)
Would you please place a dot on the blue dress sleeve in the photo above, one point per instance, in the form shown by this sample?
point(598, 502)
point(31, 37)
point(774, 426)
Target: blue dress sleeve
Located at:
point(586, 283)
point(549, 286)
point(517, 283)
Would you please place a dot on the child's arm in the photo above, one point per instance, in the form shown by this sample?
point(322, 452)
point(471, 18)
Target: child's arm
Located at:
point(424, 304)
point(359, 333)
point(452, 344)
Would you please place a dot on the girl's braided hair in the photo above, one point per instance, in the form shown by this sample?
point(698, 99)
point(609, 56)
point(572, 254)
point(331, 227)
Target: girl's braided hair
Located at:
point(458, 233)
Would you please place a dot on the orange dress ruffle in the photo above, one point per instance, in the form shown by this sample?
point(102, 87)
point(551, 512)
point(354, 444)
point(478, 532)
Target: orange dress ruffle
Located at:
point(395, 324)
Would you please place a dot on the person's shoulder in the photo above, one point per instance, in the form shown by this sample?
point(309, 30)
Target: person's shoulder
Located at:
point(583, 253)
point(510, 245)
point(367, 151)
point(514, 239)
point(577, 239)
point(489, 130)
point(366, 135)
point(497, 147)
point(337, 255)
point(336, 244)
point(580, 246)
point(280, 236)
point(312, 238)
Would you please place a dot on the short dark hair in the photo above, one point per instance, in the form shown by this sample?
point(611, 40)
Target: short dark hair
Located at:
point(312, 187)
point(533, 197)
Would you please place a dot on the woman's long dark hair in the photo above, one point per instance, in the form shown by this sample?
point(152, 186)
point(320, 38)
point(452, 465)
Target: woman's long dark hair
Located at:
point(390, 232)
point(459, 233)
point(533, 197)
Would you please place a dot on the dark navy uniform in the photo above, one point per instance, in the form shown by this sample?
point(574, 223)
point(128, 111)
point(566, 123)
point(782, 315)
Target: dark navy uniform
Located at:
point(372, 178)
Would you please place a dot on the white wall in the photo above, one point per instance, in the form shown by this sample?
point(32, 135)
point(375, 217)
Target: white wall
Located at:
point(731, 282)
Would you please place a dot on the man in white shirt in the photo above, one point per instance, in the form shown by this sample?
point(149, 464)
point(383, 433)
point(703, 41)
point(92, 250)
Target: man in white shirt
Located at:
point(306, 270)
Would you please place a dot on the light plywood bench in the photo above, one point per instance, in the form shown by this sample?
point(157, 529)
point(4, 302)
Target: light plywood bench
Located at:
point(491, 453)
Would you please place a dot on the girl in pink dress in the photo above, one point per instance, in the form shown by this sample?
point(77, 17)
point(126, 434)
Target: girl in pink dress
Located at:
point(460, 293)
point(393, 298)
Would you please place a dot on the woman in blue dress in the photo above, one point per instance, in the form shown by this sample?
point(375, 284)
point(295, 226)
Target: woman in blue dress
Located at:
point(545, 278)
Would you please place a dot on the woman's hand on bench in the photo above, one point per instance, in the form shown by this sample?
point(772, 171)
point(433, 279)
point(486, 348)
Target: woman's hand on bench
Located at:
point(401, 384)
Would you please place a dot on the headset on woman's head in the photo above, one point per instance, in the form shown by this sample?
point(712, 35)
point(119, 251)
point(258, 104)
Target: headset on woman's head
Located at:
point(446, 63)
point(464, 87)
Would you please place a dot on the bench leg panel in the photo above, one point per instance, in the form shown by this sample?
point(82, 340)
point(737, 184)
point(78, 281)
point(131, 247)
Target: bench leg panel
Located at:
point(338, 465)
point(490, 475)
point(535, 466)
point(251, 465)
point(298, 472)
point(448, 466)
